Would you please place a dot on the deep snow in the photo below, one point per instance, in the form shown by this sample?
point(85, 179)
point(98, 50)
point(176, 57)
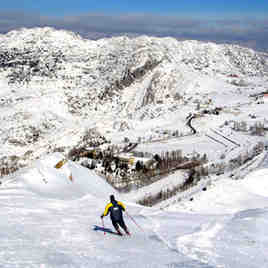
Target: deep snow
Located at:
point(47, 220)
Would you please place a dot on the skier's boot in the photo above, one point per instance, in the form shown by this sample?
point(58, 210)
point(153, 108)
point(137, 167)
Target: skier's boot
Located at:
point(118, 232)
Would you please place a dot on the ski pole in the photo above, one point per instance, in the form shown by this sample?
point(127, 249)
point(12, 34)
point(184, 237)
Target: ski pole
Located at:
point(103, 226)
point(134, 221)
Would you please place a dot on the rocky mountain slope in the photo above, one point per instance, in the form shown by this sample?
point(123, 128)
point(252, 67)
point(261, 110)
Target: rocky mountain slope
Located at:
point(54, 84)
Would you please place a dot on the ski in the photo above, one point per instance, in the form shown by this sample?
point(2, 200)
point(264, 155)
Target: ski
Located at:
point(105, 230)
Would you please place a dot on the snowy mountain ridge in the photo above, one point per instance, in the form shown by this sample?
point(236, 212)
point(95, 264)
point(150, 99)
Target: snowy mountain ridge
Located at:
point(107, 65)
point(54, 84)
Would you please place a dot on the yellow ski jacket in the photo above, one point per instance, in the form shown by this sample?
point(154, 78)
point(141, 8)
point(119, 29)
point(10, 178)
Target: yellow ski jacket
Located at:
point(108, 207)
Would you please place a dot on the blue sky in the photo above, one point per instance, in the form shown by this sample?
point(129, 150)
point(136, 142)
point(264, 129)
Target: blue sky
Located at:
point(238, 21)
point(195, 7)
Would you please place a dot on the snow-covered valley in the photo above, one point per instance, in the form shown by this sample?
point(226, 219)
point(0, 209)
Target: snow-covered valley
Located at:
point(199, 100)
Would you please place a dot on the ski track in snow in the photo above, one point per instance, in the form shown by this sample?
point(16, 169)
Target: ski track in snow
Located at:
point(42, 231)
point(199, 245)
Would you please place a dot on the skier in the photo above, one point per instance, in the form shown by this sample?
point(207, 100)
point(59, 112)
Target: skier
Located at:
point(115, 209)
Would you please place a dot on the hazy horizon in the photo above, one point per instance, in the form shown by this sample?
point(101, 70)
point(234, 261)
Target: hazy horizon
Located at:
point(241, 22)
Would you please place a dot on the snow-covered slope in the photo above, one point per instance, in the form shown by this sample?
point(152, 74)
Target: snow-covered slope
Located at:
point(70, 181)
point(54, 85)
point(50, 223)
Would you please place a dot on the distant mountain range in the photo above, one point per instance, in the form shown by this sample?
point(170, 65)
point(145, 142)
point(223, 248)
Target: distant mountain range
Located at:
point(51, 78)
point(98, 71)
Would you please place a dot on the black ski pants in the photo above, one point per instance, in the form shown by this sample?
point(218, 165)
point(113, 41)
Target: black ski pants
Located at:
point(117, 223)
